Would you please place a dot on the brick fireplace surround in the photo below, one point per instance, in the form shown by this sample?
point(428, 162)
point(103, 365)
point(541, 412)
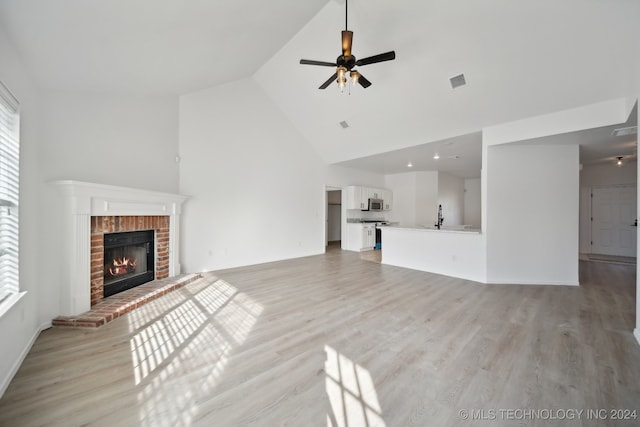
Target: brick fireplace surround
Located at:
point(91, 210)
point(118, 224)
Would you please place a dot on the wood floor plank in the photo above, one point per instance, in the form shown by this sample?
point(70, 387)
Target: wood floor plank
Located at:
point(339, 340)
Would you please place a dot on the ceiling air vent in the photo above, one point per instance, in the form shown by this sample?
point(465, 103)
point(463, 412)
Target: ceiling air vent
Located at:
point(457, 81)
point(631, 130)
point(344, 124)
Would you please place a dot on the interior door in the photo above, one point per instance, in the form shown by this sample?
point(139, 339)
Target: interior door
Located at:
point(613, 211)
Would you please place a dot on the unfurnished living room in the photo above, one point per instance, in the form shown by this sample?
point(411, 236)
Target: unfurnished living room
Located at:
point(323, 212)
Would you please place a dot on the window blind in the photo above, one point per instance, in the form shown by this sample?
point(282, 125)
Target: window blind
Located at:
point(9, 192)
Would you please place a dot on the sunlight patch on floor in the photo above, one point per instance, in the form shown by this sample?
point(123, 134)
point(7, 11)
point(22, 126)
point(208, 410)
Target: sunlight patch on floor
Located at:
point(351, 392)
point(207, 323)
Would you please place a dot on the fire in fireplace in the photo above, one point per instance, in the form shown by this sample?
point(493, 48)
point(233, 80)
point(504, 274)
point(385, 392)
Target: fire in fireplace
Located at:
point(128, 260)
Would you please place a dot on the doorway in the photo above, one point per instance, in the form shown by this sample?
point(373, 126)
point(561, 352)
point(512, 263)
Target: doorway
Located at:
point(614, 220)
point(333, 226)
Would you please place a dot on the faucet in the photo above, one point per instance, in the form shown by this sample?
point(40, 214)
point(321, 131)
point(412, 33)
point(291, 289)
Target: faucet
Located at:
point(440, 218)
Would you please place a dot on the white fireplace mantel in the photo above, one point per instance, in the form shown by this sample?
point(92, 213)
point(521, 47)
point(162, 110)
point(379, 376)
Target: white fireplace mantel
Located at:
point(82, 200)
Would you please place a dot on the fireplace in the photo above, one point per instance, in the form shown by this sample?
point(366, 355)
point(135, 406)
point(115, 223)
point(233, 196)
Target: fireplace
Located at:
point(127, 251)
point(93, 210)
point(128, 260)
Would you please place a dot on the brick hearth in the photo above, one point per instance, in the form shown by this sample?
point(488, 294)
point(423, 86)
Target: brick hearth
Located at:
point(110, 308)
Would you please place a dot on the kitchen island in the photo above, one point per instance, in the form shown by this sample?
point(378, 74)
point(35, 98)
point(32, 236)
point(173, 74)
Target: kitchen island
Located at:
point(452, 251)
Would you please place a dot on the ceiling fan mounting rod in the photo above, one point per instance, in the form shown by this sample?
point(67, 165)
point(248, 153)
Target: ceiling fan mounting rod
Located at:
point(346, 8)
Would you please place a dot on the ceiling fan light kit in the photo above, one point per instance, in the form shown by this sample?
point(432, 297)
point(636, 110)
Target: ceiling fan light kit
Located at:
point(346, 62)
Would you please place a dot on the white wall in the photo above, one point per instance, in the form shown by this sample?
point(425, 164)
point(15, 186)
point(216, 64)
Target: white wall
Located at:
point(129, 141)
point(403, 186)
point(340, 177)
point(532, 214)
point(451, 197)
point(608, 174)
point(257, 187)
point(22, 323)
point(426, 197)
point(584, 234)
point(472, 202)
point(255, 184)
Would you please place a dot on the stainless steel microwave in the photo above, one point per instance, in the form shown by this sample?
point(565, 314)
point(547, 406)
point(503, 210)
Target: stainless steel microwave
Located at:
point(375, 205)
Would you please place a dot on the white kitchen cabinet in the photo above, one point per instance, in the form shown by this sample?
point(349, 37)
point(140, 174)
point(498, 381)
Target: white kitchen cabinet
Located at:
point(360, 237)
point(387, 197)
point(368, 237)
point(374, 193)
point(357, 197)
point(354, 237)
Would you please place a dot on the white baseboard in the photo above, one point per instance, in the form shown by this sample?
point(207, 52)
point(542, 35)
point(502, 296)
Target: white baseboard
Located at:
point(14, 369)
point(526, 282)
point(636, 333)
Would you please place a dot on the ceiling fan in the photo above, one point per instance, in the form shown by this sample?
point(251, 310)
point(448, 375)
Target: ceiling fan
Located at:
point(346, 62)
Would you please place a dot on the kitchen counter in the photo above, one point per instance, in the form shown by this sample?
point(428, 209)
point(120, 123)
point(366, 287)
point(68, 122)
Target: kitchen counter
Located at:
point(452, 252)
point(363, 221)
point(443, 229)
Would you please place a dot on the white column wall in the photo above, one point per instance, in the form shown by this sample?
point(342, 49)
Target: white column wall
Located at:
point(532, 214)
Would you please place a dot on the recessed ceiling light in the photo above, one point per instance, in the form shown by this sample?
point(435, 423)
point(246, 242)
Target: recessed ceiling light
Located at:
point(409, 165)
point(436, 156)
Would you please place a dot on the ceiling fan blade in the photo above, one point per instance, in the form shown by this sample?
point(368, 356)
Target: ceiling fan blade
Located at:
point(387, 56)
point(363, 81)
point(322, 63)
point(328, 82)
point(347, 40)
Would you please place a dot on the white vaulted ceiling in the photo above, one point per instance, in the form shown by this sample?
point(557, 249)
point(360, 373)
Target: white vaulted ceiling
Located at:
point(520, 59)
point(149, 46)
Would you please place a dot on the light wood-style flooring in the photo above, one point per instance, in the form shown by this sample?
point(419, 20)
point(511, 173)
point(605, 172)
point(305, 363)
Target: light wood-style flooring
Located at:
point(337, 340)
